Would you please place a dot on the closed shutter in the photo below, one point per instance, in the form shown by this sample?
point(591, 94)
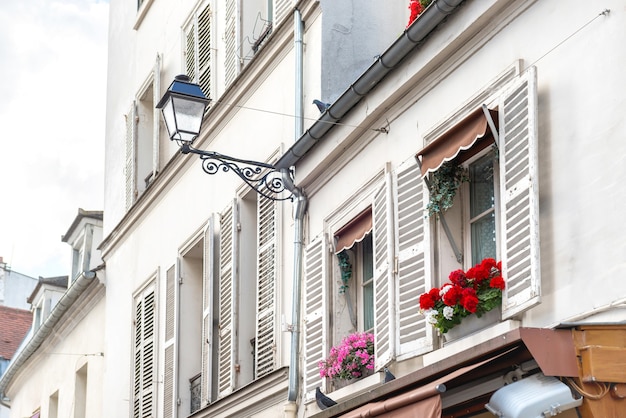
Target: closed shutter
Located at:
point(145, 354)
point(129, 168)
point(281, 9)
point(207, 311)
point(414, 334)
point(384, 316)
point(191, 56)
point(267, 268)
point(231, 63)
point(204, 50)
point(156, 97)
point(315, 314)
point(519, 195)
point(170, 333)
point(226, 379)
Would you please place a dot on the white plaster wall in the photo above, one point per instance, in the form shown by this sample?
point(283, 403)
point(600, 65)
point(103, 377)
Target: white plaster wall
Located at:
point(581, 131)
point(54, 369)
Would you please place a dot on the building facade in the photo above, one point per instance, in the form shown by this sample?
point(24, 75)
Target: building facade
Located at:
point(58, 369)
point(221, 302)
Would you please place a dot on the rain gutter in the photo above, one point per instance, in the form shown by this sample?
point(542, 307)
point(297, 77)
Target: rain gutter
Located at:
point(400, 49)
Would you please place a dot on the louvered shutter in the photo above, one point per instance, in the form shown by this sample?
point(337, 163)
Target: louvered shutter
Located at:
point(384, 317)
point(414, 335)
point(315, 314)
point(519, 195)
point(207, 310)
point(156, 97)
point(129, 168)
point(226, 379)
point(204, 50)
point(145, 354)
point(170, 332)
point(191, 56)
point(267, 269)
point(281, 9)
point(231, 63)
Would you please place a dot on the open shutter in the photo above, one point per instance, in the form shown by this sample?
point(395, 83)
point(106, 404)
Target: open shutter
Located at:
point(519, 195)
point(231, 60)
point(204, 49)
point(384, 317)
point(156, 97)
point(414, 334)
point(267, 270)
point(145, 353)
point(281, 9)
point(170, 338)
point(191, 56)
point(315, 314)
point(129, 168)
point(226, 380)
point(208, 275)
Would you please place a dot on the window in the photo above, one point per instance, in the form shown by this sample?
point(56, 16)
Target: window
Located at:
point(142, 142)
point(53, 405)
point(80, 393)
point(144, 352)
point(495, 214)
point(197, 49)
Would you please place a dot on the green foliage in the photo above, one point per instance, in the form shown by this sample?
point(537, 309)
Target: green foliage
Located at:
point(346, 270)
point(443, 187)
point(425, 3)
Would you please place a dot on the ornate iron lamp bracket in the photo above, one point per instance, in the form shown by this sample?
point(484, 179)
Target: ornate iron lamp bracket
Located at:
point(263, 178)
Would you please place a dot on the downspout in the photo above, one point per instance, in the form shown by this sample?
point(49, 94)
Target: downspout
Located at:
point(300, 206)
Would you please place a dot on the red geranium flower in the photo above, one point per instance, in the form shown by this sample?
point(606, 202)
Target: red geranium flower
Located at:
point(426, 301)
point(497, 283)
point(457, 277)
point(452, 295)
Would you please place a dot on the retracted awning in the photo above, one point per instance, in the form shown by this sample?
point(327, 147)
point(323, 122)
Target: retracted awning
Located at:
point(423, 402)
point(354, 231)
point(473, 132)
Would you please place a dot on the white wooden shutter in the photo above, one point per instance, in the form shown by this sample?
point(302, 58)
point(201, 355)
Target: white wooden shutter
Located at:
point(204, 49)
point(169, 374)
point(414, 335)
point(145, 354)
point(231, 64)
point(207, 311)
point(191, 52)
point(226, 379)
point(267, 270)
point(129, 168)
point(384, 317)
point(519, 195)
point(156, 97)
point(315, 314)
point(281, 9)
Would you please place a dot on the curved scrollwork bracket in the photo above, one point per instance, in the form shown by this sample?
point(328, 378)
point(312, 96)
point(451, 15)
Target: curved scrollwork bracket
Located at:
point(263, 178)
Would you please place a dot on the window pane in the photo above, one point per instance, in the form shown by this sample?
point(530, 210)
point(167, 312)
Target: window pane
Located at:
point(481, 185)
point(368, 283)
point(484, 238)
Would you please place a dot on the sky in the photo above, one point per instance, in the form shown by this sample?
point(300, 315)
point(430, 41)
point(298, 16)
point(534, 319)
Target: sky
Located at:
point(52, 112)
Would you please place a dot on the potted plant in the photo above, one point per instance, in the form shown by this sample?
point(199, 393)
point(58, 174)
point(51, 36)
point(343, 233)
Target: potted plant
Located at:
point(474, 292)
point(444, 184)
point(352, 359)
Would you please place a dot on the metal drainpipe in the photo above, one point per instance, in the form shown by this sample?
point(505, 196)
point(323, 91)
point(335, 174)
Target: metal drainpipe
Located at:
point(300, 210)
point(298, 256)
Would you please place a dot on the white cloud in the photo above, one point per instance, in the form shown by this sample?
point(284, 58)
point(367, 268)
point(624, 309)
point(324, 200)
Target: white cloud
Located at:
point(52, 115)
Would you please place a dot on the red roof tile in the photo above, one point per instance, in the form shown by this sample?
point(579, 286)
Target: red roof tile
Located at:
point(14, 325)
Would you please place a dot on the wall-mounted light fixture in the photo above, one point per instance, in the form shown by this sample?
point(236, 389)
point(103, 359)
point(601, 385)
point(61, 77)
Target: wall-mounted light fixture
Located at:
point(183, 106)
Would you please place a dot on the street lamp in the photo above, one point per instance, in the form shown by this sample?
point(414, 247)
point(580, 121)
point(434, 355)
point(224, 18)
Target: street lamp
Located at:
point(183, 106)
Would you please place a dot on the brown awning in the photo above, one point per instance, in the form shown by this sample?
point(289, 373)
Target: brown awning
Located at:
point(353, 231)
point(423, 402)
point(471, 132)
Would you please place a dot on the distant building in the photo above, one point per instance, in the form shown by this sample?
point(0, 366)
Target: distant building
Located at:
point(14, 287)
point(67, 338)
point(14, 326)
